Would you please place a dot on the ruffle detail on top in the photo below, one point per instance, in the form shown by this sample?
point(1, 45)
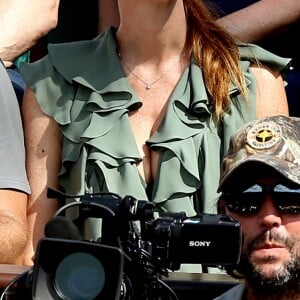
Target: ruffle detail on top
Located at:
point(83, 87)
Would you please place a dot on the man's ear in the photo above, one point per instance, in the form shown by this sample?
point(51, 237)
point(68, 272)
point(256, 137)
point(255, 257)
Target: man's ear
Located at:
point(221, 206)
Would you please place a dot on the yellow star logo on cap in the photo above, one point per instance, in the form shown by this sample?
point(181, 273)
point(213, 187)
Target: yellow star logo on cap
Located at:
point(264, 135)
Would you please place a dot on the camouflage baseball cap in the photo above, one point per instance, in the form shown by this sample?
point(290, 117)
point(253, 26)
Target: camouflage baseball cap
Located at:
point(272, 142)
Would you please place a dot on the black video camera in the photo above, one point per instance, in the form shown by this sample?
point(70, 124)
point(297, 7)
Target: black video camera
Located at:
point(136, 248)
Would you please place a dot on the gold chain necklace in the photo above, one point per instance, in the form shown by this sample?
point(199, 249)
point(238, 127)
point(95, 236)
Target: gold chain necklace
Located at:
point(148, 85)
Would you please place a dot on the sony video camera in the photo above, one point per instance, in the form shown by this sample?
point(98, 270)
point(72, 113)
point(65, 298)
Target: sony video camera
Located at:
point(137, 247)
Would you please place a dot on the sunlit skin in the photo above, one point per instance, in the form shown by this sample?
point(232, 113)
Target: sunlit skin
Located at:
point(271, 239)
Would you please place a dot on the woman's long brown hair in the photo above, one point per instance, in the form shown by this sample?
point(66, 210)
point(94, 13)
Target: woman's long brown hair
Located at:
point(216, 52)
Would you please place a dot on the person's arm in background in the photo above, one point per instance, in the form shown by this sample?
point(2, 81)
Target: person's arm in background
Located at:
point(23, 23)
point(13, 226)
point(14, 187)
point(108, 14)
point(261, 19)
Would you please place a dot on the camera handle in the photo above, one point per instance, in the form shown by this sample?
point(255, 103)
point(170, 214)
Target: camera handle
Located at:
point(100, 206)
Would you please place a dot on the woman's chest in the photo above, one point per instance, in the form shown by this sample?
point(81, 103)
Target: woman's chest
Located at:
point(144, 123)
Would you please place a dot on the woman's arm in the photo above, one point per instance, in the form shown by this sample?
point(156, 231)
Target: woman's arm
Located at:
point(43, 160)
point(271, 96)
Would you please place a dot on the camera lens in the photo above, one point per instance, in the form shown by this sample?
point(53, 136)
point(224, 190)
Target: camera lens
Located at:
point(79, 276)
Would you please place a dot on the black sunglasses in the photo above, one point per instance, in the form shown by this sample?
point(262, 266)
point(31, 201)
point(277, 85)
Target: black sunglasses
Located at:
point(285, 199)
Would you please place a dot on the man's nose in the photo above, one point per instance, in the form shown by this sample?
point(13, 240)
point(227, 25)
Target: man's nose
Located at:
point(268, 214)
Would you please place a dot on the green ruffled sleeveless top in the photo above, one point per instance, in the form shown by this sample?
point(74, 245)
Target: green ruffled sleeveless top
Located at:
point(83, 87)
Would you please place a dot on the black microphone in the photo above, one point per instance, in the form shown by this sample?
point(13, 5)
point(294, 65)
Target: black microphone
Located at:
point(62, 228)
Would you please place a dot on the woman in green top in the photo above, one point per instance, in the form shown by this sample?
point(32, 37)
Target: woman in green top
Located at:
point(144, 110)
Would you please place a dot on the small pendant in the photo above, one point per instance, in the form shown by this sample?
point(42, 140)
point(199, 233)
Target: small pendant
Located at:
point(148, 87)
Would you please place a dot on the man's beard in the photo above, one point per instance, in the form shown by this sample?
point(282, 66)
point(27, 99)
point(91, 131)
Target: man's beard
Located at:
point(283, 280)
